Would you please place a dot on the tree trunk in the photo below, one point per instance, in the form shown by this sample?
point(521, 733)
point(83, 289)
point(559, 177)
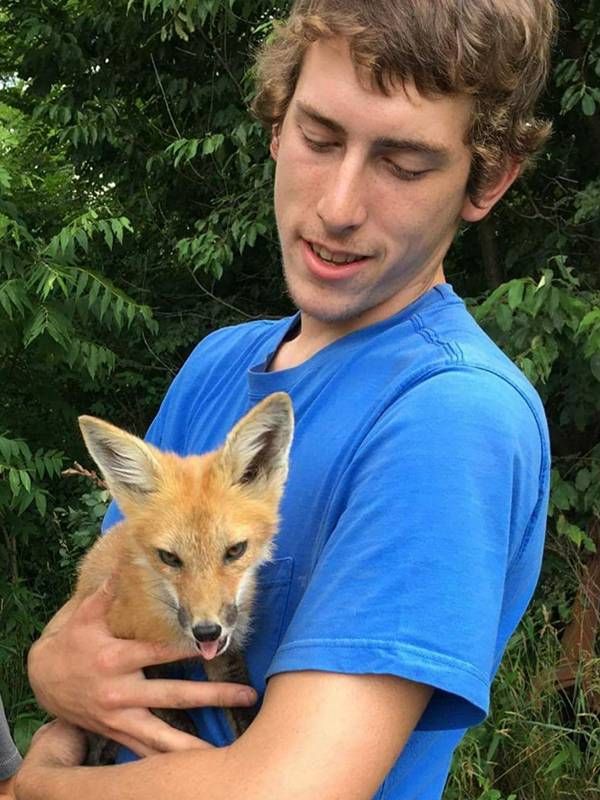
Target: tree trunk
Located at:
point(494, 273)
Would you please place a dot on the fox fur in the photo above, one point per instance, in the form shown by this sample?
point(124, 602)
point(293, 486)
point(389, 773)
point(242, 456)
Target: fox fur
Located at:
point(184, 559)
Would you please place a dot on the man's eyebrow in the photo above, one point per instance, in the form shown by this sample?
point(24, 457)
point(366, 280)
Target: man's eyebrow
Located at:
point(382, 142)
point(319, 118)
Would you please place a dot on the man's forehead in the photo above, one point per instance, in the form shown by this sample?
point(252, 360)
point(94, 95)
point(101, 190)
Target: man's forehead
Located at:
point(330, 87)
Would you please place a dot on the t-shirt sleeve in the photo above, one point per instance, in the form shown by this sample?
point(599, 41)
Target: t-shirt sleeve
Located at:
point(10, 760)
point(435, 508)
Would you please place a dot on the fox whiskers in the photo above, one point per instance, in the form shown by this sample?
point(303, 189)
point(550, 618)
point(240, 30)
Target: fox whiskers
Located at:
point(165, 601)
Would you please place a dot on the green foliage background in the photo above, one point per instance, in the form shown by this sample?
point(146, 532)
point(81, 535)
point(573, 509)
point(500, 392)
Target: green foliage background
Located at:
point(136, 216)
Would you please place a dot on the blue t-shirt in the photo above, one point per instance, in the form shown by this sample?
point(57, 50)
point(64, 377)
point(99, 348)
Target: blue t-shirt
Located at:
point(413, 518)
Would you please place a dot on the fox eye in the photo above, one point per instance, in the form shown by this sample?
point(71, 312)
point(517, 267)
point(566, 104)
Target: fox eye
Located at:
point(170, 559)
point(235, 551)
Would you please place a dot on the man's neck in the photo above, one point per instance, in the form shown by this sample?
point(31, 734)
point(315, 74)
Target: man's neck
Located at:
point(313, 335)
point(309, 339)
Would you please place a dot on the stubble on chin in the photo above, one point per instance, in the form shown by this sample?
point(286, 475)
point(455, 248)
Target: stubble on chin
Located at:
point(327, 309)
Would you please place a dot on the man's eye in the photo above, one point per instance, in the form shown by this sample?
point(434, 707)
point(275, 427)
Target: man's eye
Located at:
point(314, 144)
point(235, 551)
point(407, 174)
point(170, 559)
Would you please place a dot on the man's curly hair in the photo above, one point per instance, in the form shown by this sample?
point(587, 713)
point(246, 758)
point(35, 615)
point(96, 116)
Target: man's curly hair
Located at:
point(497, 51)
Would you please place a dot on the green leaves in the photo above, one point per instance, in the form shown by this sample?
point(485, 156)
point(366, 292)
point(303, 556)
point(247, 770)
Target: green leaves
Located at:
point(551, 328)
point(544, 319)
point(211, 143)
point(579, 76)
point(22, 475)
point(575, 497)
point(48, 320)
point(225, 232)
point(77, 234)
point(53, 295)
point(58, 308)
point(588, 101)
point(108, 303)
point(183, 150)
point(516, 293)
point(589, 333)
point(83, 523)
point(14, 298)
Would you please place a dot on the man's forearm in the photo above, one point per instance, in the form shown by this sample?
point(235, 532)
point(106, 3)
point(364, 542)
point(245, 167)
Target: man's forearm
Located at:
point(153, 778)
point(318, 734)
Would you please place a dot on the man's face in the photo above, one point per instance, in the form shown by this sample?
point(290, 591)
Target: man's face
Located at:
point(368, 176)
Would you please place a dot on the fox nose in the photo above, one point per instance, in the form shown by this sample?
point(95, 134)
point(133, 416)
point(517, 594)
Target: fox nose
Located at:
point(206, 633)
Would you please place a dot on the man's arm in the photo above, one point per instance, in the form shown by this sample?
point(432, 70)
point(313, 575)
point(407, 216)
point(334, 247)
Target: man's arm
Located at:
point(318, 734)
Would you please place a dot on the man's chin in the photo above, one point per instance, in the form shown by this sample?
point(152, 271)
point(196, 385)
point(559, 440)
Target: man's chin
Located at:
point(325, 305)
point(335, 312)
point(327, 314)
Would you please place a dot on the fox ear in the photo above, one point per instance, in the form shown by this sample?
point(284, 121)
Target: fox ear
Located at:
point(127, 463)
point(257, 449)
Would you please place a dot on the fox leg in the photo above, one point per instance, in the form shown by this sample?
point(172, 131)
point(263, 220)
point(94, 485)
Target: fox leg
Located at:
point(101, 751)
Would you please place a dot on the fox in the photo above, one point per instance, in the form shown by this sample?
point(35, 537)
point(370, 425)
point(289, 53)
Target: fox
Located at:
point(184, 559)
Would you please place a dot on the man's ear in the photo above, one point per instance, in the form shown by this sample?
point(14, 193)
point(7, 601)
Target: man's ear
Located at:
point(472, 212)
point(274, 146)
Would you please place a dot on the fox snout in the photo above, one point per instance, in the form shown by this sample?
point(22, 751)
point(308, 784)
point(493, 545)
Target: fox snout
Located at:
point(212, 637)
point(210, 640)
point(206, 633)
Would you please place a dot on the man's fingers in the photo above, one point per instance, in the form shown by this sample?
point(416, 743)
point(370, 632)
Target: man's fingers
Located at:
point(137, 654)
point(149, 735)
point(159, 693)
point(139, 748)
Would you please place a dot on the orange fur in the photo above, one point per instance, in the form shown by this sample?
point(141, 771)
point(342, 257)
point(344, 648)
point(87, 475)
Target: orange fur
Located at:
point(196, 508)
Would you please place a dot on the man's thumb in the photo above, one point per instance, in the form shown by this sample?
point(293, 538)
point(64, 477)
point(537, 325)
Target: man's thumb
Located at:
point(96, 605)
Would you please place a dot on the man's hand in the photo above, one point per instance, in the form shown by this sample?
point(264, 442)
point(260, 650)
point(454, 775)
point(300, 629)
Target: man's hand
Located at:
point(56, 744)
point(82, 674)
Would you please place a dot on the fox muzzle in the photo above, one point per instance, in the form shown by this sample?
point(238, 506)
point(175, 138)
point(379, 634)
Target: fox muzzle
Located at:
point(206, 632)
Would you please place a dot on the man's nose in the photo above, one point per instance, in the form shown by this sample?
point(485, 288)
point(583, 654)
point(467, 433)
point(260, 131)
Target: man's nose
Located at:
point(342, 207)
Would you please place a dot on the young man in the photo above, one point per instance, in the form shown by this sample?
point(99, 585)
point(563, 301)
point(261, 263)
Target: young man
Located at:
point(414, 515)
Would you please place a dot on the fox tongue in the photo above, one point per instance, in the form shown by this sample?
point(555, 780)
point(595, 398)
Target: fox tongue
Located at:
point(209, 649)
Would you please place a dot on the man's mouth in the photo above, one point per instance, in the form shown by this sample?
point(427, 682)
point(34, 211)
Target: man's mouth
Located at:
point(335, 257)
point(208, 650)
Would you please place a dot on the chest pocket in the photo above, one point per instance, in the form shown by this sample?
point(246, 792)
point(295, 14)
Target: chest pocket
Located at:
point(269, 618)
